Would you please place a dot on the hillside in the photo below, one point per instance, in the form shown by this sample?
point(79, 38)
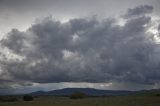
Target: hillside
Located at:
point(88, 91)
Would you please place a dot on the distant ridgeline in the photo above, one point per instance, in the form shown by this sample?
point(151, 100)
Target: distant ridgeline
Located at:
point(87, 91)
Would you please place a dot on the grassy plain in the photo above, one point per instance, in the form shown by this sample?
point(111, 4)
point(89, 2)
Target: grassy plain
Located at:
point(132, 100)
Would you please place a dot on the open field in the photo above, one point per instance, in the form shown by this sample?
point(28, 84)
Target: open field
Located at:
point(141, 100)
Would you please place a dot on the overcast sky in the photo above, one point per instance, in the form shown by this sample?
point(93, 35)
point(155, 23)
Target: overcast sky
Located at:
point(104, 44)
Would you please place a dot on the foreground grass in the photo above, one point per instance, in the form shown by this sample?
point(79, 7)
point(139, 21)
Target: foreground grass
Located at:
point(97, 101)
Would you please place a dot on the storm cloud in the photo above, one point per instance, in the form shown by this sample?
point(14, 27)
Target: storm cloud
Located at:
point(82, 50)
point(139, 11)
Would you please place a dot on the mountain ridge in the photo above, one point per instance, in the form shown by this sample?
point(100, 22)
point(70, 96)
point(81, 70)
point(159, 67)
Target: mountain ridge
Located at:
point(88, 91)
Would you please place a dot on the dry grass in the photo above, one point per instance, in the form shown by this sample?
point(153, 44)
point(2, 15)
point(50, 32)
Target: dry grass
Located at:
point(106, 101)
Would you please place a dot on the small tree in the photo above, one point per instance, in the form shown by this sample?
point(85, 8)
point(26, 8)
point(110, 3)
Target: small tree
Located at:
point(158, 94)
point(27, 98)
point(77, 95)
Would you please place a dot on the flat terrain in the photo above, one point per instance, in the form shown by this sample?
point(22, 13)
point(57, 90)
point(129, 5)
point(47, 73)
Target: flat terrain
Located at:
point(134, 100)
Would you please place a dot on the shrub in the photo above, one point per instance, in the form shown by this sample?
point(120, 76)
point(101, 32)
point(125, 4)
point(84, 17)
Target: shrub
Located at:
point(27, 98)
point(157, 94)
point(77, 95)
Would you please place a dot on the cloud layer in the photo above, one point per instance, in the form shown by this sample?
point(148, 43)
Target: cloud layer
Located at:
point(141, 10)
point(82, 50)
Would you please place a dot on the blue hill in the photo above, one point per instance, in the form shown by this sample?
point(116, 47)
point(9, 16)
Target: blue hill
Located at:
point(88, 91)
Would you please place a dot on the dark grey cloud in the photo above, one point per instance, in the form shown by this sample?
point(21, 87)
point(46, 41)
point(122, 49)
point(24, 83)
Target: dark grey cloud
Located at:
point(82, 50)
point(139, 11)
point(75, 6)
point(20, 14)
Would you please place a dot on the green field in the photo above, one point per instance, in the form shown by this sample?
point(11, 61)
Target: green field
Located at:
point(134, 100)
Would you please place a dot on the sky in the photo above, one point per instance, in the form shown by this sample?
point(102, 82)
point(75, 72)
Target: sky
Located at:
point(103, 44)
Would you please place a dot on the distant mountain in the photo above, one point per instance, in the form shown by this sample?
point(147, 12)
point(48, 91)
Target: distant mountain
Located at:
point(88, 91)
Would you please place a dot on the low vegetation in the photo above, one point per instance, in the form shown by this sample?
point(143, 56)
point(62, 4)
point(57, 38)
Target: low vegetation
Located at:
point(132, 100)
point(27, 98)
point(158, 94)
point(8, 99)
point(78, 95)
